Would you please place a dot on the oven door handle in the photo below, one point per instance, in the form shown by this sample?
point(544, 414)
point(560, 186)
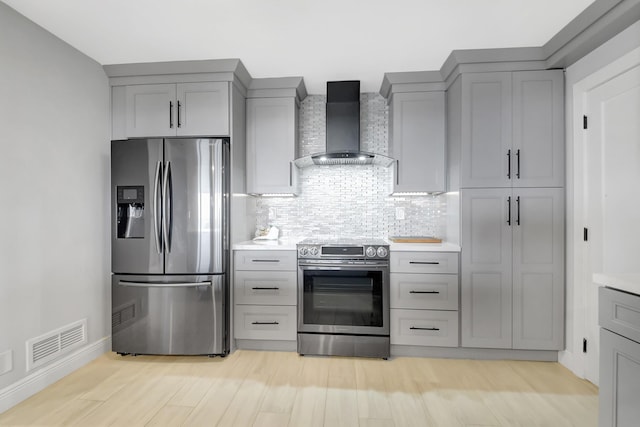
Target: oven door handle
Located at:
point(368, 267)
point(315, 267)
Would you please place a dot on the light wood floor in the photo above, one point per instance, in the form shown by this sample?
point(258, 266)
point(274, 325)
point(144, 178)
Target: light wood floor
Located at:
point(255, 388)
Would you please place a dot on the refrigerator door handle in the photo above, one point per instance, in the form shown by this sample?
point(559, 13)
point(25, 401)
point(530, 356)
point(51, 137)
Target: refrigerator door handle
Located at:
point(156, 229)
point(166, 202)
point(218, 199)
point(162, 285)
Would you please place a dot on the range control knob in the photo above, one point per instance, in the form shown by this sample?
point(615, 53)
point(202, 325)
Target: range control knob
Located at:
point(313, 250)
point(371, 252)
point(303, 251)
point(382, 252)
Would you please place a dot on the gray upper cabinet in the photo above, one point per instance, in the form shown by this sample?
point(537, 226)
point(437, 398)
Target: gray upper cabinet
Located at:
point(203, 109)
point(272, 129)
point(417, 141)
point(512, 129)
point(512, 268)
point(182, 109)
point(273, 106)
point(486, 130)
point(150, 110)
point(538, 129)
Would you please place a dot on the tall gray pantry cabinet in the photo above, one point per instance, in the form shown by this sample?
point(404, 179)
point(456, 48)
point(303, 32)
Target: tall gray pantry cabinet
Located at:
point(506, 134)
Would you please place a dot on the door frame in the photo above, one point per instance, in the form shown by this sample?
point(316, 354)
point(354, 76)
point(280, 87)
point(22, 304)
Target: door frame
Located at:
point(577, 216)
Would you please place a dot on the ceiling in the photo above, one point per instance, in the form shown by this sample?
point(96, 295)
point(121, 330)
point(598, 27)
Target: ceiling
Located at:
point(320, 40)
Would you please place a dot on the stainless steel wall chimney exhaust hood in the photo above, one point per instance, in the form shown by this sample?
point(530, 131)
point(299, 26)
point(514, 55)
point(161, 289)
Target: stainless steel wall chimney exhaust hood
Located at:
point(343, 130)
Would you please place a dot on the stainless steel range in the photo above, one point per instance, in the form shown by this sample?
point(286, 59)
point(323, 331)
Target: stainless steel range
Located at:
point(343, 297)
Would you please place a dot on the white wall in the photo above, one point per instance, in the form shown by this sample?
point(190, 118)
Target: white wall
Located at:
point(54, 198)
point(585, 68)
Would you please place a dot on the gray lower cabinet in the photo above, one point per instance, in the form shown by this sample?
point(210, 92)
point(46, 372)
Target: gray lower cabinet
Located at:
point(272, 141)
point(507, 129)
point(417, 141)
point(424, 299)
point(512, 284)
point(264, 292)
point(176, 109)
point(619, 314)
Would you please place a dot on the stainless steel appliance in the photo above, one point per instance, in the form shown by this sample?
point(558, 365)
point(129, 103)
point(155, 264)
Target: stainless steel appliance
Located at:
point(343, 297)
point(343, 130)
point(170, 246)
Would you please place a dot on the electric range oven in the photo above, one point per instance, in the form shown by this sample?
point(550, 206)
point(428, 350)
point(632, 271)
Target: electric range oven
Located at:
point(343, 298)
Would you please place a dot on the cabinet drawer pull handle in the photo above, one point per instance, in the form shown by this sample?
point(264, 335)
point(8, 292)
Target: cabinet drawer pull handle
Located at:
point(265, 323)
point(264, 289)
point(424, 292)
point(424, 329)
point(425, 262)
point(265, 260)
point(170, 115)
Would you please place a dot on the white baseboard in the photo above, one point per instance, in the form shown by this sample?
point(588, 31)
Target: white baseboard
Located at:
point(47, 375)
point(568, 360)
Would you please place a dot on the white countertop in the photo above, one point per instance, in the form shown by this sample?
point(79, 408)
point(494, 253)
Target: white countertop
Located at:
point(624, 282)
point(284, 245)
point(424, 247)
point(266, 245)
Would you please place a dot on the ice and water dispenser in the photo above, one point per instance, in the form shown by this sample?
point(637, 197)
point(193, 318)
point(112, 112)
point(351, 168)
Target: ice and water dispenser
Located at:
point(130, 201)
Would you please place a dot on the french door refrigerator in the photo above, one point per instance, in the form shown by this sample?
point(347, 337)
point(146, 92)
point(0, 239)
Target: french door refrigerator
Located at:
point(170, 246)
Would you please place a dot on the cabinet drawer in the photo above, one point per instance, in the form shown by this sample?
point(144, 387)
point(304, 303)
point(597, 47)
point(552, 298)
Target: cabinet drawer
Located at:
point(620, 312)
point(265, 287)
point(424, 291)
point(424, 327)
point(265, 322)
point(423, 262)
point(266, 260)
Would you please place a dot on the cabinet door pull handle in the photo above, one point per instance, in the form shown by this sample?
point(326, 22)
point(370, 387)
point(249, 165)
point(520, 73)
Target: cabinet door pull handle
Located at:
point(265, 323)
point(424, 329)
point(509, 164)
point(518, 210)
point(290, 173)
point(425, 262)
point(170, 115)
point(265, 260)
point(424, 292)
point(179, 124)
point(258, 288)
point(518, 163)
point(509, 210)
point(397, 172)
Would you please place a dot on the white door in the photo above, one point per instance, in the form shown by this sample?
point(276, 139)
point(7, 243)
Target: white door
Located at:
point(611, 202)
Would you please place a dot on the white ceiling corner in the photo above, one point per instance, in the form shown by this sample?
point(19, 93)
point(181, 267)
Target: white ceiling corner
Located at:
point(318, 40)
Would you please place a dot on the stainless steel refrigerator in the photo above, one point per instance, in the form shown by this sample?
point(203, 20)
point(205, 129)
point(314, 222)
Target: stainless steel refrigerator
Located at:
point(170, 237)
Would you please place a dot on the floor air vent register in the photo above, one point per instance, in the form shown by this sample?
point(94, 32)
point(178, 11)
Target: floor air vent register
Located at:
point(53, 344)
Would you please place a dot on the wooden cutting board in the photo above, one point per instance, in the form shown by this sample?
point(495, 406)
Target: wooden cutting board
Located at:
point(415, 239)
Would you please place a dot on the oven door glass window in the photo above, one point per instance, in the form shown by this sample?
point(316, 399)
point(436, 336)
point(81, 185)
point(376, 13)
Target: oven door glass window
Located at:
point(348, 298)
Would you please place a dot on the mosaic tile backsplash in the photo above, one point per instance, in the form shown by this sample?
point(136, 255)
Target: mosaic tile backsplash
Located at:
point(351, 200)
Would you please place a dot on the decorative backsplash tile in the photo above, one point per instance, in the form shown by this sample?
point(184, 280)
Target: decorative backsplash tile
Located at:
point(350, 200)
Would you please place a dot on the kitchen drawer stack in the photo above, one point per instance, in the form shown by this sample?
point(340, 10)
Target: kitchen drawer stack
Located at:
point(424, 298)
point(265, 298)
point(619, 318)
